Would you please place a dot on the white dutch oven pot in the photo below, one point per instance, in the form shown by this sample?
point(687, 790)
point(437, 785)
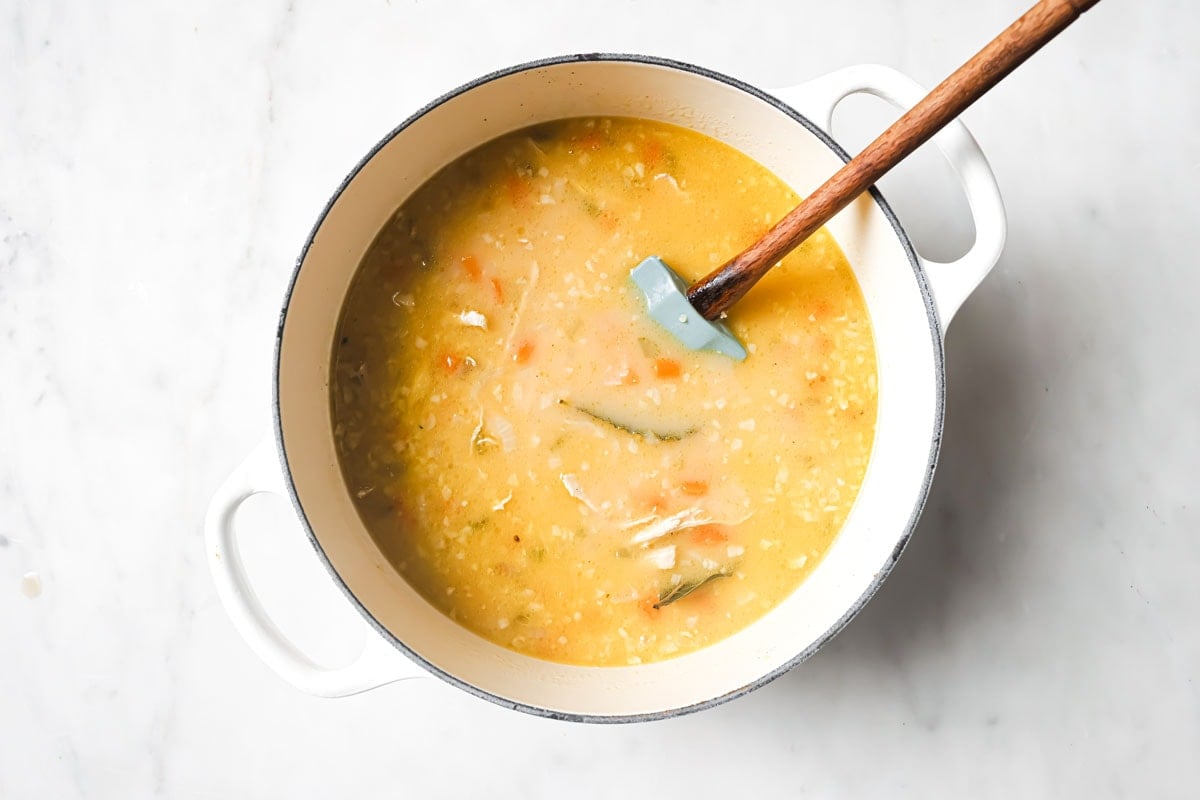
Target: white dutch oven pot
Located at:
point(910, 300)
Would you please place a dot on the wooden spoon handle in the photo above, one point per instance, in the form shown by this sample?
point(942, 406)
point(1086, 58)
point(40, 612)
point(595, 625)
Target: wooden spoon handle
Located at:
point(722, 288)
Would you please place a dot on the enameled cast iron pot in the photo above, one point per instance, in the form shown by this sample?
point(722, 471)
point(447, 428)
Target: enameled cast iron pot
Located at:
point(910, 300)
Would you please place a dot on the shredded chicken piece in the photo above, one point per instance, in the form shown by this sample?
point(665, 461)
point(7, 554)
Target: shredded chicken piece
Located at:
point(688, 518)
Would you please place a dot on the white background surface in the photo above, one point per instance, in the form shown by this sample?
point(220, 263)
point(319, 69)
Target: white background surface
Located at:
point(160, 165)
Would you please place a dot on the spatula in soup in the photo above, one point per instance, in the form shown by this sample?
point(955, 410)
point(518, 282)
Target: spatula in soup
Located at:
point(692, 313)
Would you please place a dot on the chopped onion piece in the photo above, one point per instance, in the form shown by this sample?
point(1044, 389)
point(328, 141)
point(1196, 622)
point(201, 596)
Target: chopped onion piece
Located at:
point(662, 557)
point(473, 319)
point(571, 484)
point(500, 504)
point(664, 176)
point(504, 429)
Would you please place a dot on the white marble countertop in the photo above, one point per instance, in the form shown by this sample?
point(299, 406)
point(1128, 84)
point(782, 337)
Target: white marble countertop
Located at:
point(160, 165)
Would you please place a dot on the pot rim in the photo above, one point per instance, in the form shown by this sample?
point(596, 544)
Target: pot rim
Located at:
point(880, 575)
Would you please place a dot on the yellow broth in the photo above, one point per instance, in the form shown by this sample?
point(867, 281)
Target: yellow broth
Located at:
point(539, 459)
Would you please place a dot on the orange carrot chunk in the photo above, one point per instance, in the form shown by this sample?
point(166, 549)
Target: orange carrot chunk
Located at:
point(652, 153)
point(708, 535)
point(470, 265)
point(694, 488)
point(518, 189)
point(497, 290)
point(591, 141)
point(524, 351)
point(667, 368)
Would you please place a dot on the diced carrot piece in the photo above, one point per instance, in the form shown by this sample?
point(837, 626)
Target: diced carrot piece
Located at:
point(591, 141)
point(667, 368)
point(519, 188)
point(524, 352)
point(629, 378)
point(649, 604)
point(694, 488)
point(497, 290)
point(470, 265)
point(652, 153)
point(708, 534)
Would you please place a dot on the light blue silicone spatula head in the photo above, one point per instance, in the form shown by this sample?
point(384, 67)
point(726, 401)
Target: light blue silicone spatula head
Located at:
point(667, 301)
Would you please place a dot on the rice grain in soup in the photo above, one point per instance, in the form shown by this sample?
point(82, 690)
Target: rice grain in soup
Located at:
point(539, 459)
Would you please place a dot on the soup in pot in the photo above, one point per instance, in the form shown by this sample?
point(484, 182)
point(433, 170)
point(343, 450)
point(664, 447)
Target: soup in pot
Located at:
point(545, 464)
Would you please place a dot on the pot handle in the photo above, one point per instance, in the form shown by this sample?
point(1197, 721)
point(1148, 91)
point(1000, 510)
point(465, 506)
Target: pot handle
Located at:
point(950, 282)
point(379, 662)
